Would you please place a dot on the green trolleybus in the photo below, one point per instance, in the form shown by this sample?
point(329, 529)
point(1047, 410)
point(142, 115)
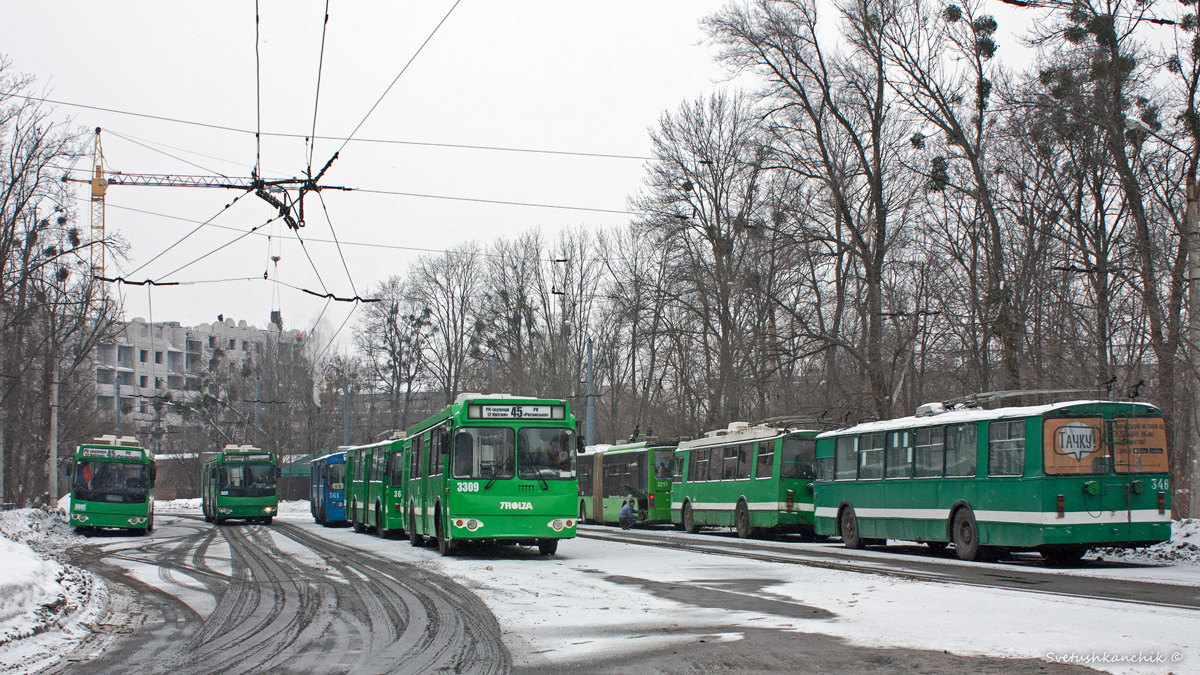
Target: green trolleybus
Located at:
point(240, 482)
point(750, 477)
point(640, 470)
point(1058, 479)
point(112, 486)
point(493, 468)
point(375, 487)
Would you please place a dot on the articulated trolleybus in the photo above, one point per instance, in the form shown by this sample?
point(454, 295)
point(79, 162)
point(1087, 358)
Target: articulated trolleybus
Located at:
point(750, 477)
point(640, 470)
point(493, 468)
point(240, 482)
point(327, 488)
point(112, 485)
point(1058, 479)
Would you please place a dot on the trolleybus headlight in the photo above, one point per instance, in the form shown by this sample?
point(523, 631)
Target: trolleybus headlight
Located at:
point(460, 522)
point(136, 521)
point(268, 509)
point(82, 517)
point(556, 525)
point(473, 524)
point(225, 510)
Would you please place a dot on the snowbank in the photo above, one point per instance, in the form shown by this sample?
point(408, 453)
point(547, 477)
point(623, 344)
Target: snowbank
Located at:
point(1184, 546)
point(193, 505)
point(46, 606)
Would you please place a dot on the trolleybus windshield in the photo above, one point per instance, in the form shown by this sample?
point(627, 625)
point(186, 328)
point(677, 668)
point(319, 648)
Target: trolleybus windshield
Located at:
point(796, 457)
point(103, 481)
point(335, 476)
point(664, 464)
point(484, 452)
point(248, 480)
point(546, 454)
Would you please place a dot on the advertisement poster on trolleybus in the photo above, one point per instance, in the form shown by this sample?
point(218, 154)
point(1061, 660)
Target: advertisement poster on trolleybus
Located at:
point(1089, 445)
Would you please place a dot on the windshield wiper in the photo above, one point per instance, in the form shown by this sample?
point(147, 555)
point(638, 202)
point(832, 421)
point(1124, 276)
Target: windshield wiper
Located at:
point(490, 483)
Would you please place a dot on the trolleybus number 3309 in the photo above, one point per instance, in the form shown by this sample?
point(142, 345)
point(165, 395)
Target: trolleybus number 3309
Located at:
point(468, 487)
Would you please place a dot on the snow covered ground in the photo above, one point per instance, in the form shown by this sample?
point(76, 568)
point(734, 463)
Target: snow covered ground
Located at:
point(46, 607)
point(596, 599)
point(599, 598)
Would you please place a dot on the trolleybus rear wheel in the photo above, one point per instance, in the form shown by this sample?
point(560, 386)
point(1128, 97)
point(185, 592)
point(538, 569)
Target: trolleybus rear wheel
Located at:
point(382, 531)
point(689, 521)
point(413, 538)
point(547, 546)
point(741, 519)
point(358, 527)
point(966, 535)
point(851, 537)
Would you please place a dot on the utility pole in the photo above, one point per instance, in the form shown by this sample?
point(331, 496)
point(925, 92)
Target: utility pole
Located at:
point(257, 409)
point(591, 405)
point(1192, 228)
point(346, 411)
point(53, 461)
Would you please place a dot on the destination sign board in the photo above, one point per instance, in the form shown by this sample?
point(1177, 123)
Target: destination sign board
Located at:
point(515, 412)
point(263, 457)
point(112, 453)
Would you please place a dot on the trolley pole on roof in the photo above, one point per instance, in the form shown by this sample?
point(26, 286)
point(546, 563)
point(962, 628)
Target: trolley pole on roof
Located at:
point(591, 407)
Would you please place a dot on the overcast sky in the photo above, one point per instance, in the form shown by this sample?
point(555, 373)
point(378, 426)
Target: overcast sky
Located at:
point(555, 76)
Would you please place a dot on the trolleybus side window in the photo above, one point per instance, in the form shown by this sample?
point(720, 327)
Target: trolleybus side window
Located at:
point(396, 468)
point(484, 452)
point(680, 463)
point(546, 453)
point(745, 460)
point(766, 459)
point(729, 472)
point(699, 466)
point(416, 458)
point(358, 465)
point(899, 455)
point(931, 452)
point(870, 456)
point(796, 457)
point(824, 467)
point(962, 450)
point(1006, 448)
point(585, 475)
point(846, 458)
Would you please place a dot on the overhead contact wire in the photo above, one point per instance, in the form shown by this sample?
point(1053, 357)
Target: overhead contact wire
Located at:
point(317, 100)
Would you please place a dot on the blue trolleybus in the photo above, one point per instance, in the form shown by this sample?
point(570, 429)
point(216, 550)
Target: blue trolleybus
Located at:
point(327, 488)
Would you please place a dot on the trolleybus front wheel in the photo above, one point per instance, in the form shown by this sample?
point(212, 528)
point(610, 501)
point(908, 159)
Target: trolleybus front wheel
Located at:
point(851, 537)
point(582, 512)
point(444, 545)
point(547, 546)
point(742, 521)
point(689, 521)
point(966, 535)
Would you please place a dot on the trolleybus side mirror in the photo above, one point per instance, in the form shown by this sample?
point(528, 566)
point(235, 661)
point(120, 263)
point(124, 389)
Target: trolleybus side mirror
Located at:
point(153, 472)
point(579, 443)
point(444, 443)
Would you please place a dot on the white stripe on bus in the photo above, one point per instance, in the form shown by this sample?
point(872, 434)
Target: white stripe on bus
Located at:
point(1017, 517)
point(753, 506)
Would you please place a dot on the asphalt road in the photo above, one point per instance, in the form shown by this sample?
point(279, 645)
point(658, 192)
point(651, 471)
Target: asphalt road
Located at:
point(194, 599)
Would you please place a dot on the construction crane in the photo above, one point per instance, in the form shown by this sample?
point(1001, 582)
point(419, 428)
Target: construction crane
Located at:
point(291, 210)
